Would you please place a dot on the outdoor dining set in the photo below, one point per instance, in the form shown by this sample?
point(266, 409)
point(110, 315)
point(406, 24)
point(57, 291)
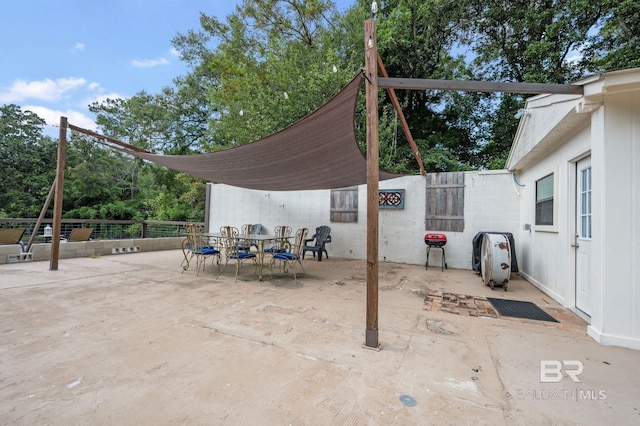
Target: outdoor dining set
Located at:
point(282, 250)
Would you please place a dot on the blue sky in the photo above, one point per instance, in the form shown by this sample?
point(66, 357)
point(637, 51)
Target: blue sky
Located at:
point(58, 56)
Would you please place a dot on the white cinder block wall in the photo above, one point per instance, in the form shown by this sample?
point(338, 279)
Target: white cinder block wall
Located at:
point(491, 204)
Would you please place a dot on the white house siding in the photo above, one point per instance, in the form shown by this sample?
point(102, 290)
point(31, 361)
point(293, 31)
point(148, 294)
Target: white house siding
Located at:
point(542, 118)
point(598, 138)
point(546, 257)
point(605, 124)
point(619, 291)
point(491, 204)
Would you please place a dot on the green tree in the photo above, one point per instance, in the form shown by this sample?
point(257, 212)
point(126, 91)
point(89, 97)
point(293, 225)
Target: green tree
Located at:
point(96, 177)
point(617, 44)
point(274, 62)
point(141, 121)
point(523, 41)
point(530, 40)
point(415, 40)
point(170, 123)
point(502, 128)
point(27, 162)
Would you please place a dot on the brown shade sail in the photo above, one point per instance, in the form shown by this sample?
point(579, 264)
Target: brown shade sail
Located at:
point(318, 152)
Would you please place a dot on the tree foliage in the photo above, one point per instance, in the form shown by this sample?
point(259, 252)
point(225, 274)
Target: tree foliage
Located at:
point(160, 123)
point(274, 62)
point(271, 62)
point(27, 162)
point(530, 40)
point(617, 44)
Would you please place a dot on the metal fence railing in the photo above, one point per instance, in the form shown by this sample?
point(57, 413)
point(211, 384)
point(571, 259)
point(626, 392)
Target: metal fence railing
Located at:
point(102, 229)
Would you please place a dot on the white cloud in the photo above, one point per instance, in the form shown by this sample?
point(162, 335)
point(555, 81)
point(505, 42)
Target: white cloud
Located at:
point(173, 51)
point(575, 57)
point(101, 97)
point(98, 95)
point(52, 117)
point(149, 63)
point(45, 90)
point(78, 46)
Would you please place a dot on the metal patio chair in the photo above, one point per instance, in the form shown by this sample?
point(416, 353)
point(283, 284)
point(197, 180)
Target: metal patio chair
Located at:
point(233, 250)
point(289, 259)
point(280, 245)
point(195, 246)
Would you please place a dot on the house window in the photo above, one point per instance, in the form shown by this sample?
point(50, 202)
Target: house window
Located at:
point(544, 200)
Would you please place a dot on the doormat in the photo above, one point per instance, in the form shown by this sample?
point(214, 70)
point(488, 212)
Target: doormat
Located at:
point(518, 309)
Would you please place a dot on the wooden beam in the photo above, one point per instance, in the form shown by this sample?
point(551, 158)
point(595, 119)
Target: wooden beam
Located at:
point(103, 139)
point(43, 212)
point(403, 120)
point(478, 86)
point(57, 201)
point(373, 173)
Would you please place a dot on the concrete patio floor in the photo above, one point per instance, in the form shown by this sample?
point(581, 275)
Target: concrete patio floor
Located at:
point(129, 339)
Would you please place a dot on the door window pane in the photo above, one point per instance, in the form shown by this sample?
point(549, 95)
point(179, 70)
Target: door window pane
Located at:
point(585, 203)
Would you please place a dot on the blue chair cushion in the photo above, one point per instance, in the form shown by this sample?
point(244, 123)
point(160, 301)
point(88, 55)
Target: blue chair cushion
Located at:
point(209, 250)
point(202, 248)
point(285, 256)
point(241, 256)
point(274, 250)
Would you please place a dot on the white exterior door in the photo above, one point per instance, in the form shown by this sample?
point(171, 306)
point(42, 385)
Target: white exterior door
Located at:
point(583, 236)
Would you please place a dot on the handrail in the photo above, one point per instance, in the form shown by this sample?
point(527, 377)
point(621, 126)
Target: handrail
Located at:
point(103, 229)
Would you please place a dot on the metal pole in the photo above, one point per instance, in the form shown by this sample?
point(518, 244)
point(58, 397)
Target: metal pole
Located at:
point(371, 94)
point(57, 202)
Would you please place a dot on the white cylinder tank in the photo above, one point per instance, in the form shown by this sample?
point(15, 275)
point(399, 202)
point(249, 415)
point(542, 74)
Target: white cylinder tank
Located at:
point(495, 260)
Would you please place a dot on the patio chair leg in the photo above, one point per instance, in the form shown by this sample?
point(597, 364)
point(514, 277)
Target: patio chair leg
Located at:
point(185, 262)
point(213, 261)
point(222, 267)
point(295, 277)
point(197, 266)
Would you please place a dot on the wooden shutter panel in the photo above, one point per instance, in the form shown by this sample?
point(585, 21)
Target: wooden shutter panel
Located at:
point(344, 204)
point(445, 202)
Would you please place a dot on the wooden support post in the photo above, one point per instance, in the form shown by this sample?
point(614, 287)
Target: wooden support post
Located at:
point(371, 95)
point(57, 201)
point(43, 212)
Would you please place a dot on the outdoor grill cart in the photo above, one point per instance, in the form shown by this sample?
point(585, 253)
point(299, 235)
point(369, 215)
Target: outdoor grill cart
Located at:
point(436, 241)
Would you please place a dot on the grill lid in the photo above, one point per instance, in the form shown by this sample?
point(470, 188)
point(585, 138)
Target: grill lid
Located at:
point(435, 239)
